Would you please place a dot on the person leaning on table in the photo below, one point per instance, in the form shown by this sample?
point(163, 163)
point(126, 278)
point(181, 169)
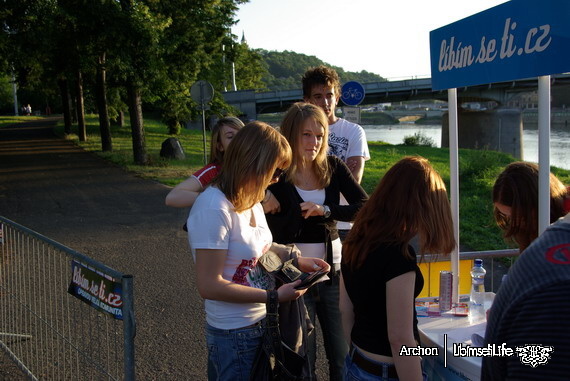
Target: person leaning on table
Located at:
point(533, 307)
point(515, 200)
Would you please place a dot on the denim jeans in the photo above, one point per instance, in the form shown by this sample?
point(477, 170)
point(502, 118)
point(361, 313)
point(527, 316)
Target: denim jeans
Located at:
point(353, 372)
point(231, 352)
point(322, 302)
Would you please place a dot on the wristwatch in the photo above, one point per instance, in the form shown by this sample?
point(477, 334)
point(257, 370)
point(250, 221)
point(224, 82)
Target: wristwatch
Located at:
point(327, 211)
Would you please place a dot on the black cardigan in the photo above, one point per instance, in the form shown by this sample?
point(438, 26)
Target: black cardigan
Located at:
point(289, 226)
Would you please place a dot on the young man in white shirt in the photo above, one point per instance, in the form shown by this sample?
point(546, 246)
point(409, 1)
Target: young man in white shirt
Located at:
point(347, 140)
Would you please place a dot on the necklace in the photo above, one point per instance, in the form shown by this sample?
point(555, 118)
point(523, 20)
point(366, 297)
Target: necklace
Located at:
point(306, 180)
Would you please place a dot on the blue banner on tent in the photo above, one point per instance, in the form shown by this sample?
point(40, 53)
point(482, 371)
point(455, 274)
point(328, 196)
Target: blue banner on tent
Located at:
point(515, 40)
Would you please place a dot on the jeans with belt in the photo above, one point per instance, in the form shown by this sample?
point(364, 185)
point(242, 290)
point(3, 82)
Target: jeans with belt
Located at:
point(322, 302)
point(231, 352)
point(358, 367)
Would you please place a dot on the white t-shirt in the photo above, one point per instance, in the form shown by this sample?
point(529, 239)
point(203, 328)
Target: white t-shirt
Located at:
point(317, 250)
point(347, 139)
point(214, 224)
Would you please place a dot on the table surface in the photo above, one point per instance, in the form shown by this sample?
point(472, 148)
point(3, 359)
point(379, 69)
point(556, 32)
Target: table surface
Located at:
point(437, 331)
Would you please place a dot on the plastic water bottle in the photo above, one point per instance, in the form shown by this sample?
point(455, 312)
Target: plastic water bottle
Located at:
point(478, 289)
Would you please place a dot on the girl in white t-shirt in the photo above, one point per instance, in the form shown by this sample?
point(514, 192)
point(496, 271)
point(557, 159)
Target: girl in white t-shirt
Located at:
point(228, 232)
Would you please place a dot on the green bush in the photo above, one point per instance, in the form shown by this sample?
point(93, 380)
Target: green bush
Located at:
point(418, 140)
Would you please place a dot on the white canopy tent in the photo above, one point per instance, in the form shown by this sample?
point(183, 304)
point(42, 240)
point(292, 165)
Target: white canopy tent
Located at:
point(456, 63)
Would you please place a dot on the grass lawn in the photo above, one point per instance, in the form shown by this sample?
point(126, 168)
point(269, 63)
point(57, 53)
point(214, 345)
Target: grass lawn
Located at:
point(8, 120)
point(478, 170)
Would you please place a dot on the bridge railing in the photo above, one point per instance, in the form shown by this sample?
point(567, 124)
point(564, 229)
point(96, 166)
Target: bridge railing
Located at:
point(50, 333)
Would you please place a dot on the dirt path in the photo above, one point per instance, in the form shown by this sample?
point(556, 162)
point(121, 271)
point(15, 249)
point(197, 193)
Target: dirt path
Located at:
point(53, 187)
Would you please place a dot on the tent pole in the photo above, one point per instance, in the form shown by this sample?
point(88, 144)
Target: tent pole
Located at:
point(543, 153)
point(454, 185)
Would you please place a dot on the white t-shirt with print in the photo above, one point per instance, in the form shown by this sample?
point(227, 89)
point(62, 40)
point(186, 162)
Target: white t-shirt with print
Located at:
point(213, 224)
point(347, 139)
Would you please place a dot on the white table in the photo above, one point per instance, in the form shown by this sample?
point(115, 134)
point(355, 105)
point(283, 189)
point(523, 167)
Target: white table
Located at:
point(436, 332)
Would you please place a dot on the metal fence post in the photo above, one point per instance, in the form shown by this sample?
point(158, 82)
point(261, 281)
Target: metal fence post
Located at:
point(129, 328)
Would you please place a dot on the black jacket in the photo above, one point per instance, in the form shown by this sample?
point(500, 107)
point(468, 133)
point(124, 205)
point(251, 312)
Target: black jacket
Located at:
point(289, 226)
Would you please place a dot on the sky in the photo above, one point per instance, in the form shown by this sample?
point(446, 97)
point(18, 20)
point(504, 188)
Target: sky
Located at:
point(386, 37)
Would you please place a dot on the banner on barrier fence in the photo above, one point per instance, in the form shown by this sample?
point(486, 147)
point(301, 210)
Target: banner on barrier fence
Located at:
point(96, 289)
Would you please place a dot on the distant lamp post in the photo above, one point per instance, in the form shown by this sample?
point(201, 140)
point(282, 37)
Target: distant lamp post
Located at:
point(224, 82)
point(15, 92)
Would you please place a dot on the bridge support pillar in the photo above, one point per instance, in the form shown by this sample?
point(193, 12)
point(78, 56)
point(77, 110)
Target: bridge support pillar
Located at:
point(243, 100)
point(497, 130)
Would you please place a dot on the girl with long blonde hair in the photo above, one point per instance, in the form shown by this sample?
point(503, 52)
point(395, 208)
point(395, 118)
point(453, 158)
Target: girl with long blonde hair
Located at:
point(308, 207)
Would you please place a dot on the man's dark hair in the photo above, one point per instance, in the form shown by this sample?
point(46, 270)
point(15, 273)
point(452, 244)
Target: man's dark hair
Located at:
point(320, 75)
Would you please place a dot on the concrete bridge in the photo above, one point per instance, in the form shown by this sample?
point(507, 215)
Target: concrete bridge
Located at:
point(499, 129)
point(398, 114)
point(252, 103)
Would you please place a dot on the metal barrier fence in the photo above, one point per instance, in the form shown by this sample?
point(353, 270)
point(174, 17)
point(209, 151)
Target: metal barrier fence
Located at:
point(44, 326)
point(431, 265)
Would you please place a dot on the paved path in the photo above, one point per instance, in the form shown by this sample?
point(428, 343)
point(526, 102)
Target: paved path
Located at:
point(71, 196)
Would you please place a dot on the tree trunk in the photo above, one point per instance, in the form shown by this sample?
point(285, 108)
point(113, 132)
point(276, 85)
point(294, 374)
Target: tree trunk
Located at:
point(137, 127)
point(65, 101)
point(82, 133)
point(101, 92)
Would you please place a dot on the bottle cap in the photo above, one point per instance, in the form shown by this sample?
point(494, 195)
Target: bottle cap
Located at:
point(478, 262)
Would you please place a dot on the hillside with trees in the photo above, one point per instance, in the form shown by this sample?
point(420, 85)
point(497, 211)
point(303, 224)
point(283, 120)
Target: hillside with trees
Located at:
point(285, 69)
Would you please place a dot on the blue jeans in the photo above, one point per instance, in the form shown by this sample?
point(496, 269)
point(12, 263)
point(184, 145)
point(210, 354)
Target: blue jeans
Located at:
point(353, 372)
point(231, 352)
point(322, 302)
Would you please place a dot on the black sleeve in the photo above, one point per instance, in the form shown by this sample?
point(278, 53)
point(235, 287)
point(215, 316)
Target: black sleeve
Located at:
point(285, 226)
point(349, 187)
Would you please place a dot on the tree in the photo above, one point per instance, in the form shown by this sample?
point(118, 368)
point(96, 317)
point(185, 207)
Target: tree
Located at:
point(92, 29)
point(191, 49)
point(151, 48)
point(24, 27)
point(102, 106)
point(139, 60)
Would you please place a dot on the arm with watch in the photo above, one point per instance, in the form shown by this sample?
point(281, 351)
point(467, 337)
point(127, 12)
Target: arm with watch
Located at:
point(343, 182)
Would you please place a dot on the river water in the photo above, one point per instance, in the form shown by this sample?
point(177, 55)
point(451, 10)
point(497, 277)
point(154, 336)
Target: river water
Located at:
point(559, 139)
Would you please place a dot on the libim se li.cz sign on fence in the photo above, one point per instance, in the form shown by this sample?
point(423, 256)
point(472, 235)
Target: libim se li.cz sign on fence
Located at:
point(514, 40)
point(96, 289)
